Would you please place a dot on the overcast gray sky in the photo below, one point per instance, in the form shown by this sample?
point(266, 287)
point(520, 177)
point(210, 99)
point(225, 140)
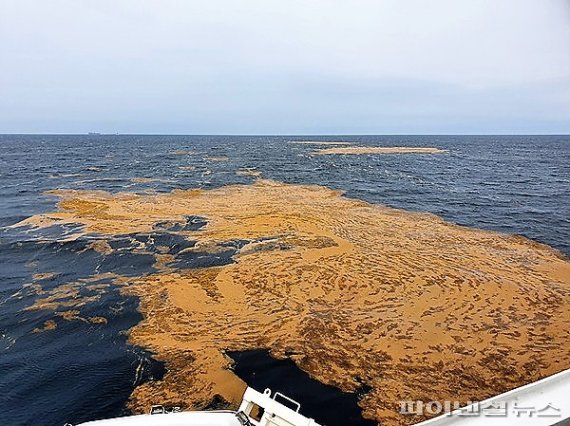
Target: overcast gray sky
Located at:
point(285, 66)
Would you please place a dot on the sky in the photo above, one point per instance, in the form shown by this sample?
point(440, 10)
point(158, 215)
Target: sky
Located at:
point(285, 66)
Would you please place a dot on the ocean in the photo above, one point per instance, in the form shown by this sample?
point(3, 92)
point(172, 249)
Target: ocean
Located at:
point(86, 369)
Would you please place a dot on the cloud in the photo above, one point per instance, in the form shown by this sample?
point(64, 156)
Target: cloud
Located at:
point(271, 66)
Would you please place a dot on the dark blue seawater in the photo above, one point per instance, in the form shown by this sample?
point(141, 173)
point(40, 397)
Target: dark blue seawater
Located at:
point(82, 371)
point(326, 404)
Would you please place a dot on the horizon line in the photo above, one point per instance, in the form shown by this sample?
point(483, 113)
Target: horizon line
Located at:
point(282, 134)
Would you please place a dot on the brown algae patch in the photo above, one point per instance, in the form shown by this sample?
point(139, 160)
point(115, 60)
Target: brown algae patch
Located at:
point(149, 180)
point(68, 295)
point(44, 276)
point(183, 152)
point(359, 150)
point(411, 306)
point(47, 326)
point(74, 315)
point(248, 172)
point(101, 246)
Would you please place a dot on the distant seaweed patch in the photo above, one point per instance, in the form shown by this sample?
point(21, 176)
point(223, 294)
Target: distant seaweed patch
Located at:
point(248, 171)
point(149, 180)
point(359, 150)
point(218, 158)
point(183, 152)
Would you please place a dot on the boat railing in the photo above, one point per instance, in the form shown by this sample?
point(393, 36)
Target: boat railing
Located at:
point(265, 410)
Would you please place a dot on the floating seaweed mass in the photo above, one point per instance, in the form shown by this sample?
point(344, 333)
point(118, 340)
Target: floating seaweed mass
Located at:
point(357, 295)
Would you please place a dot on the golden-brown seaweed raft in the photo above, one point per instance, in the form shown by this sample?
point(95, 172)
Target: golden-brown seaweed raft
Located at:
point(412, 306)
point(359, 150)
